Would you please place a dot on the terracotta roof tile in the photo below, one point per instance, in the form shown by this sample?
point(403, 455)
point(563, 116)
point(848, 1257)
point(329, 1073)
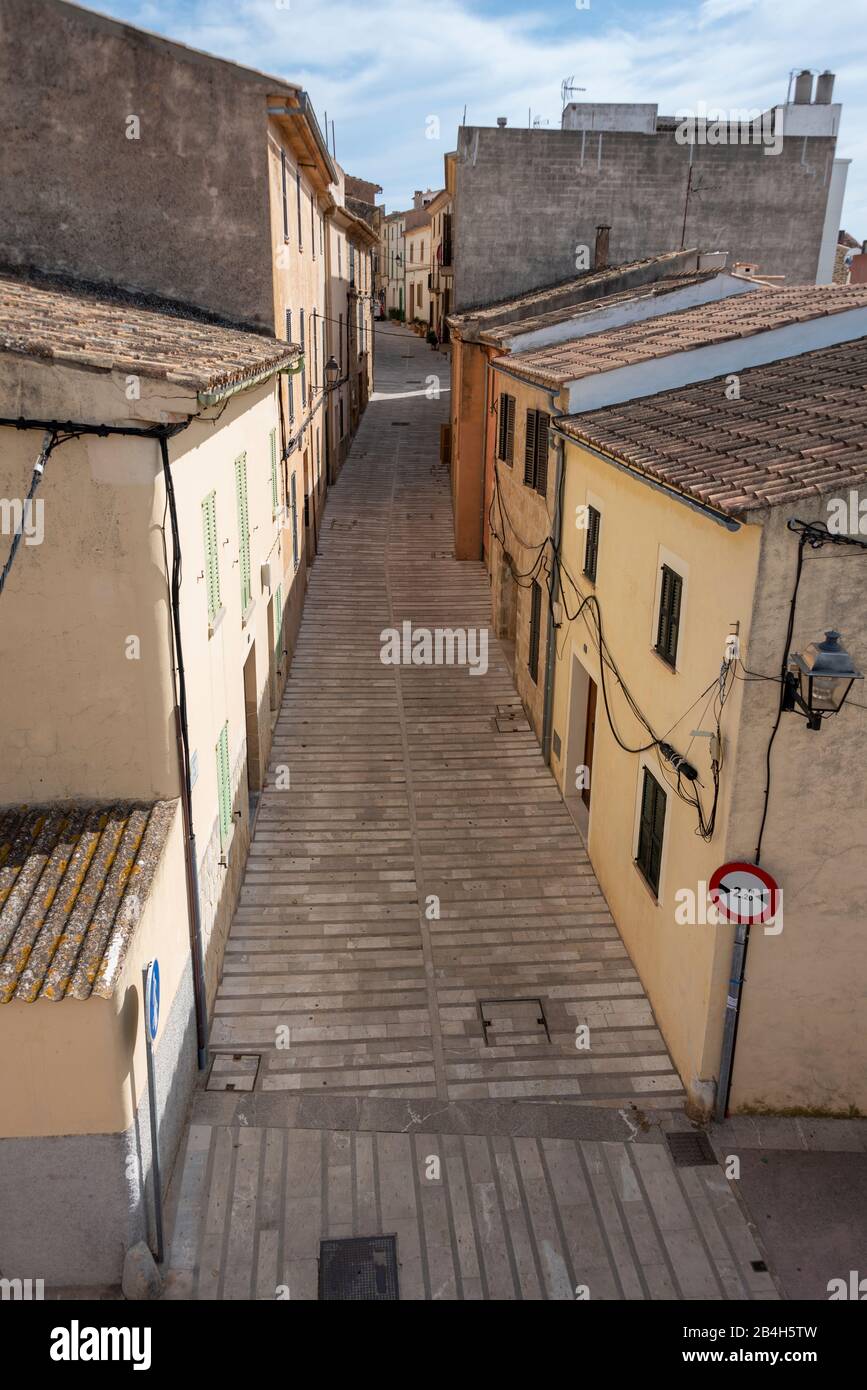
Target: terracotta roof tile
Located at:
point(66, 323)
point(73, 883)
point(739, 316)
point(798, 430)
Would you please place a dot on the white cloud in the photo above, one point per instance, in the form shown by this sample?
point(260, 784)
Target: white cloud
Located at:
point(381, 68)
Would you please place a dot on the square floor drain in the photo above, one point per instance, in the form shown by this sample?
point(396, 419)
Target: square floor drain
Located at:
point(234, 1071)
point(690, 1150)
point(358, 1269)
point(513, 1022)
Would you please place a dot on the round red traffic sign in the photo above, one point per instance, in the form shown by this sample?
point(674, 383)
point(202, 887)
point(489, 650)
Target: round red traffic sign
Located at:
point(744, 893)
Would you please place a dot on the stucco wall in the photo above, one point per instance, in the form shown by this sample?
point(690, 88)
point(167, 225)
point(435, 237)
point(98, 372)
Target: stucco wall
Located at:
point(197, 227)
point(683, 967)
point(525, 199)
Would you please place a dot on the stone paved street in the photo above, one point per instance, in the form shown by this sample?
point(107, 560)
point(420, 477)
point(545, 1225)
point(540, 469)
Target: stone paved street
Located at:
point(363, 1005)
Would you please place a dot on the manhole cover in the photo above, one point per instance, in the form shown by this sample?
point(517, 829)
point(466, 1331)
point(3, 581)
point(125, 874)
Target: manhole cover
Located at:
point(234, 1071)
point(513, 1022)
point(690, 1150)
point(362, 1269)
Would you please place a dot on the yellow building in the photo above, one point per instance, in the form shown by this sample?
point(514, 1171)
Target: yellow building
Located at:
point(417, 239)
point(649, 638)
point(144, 655)
point(441, 210)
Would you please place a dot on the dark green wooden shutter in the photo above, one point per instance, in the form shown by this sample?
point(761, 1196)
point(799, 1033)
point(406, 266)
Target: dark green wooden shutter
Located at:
point(275, 477)
point(224, 786)
point(294, 506)
point(541, 474)
point(668, 626)
point(591, 548)
point(510, 430)
point(530, 449)
point(650, 830)
point(303, 366)
point(243, 530)
point(535, 624)
point(278, 623)
point(212, 555)
point(503, 424)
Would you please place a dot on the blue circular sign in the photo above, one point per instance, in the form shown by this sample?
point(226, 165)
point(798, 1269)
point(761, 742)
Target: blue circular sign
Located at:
point(152, 999)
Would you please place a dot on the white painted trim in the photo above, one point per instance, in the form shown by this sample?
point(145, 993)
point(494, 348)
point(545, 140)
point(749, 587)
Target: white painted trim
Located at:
point(643, 305)
point(831, 225)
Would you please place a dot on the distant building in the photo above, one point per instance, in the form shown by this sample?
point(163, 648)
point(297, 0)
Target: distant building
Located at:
point(417, 239)
point(768, 188)
point(442, 251)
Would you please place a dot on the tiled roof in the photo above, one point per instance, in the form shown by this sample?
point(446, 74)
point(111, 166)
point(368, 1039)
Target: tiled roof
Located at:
point(73, 883)
point(798, 430)
point(739, 316)
point(575, 290)
point(505, 331)
point(67, 323)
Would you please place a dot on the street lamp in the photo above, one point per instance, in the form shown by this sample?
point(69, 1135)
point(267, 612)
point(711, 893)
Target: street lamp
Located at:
point(818, 681)
point(332, 372)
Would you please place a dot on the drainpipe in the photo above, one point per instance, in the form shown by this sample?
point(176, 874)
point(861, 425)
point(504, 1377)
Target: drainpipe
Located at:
point(551, 651)
point(182, 734)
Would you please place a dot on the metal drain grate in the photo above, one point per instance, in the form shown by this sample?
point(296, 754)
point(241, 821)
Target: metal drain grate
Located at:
point(690, 1150)
point(513, 1022)
point(234, 1071)
point(399, 422)
point(360, 1269)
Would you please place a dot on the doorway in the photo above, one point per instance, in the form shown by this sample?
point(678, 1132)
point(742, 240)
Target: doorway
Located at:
point(580, 739)
point(251, 717)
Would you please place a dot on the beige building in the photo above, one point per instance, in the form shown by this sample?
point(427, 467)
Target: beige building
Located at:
point(393, 258)
point(441, 211)
point(352, 244)
point(144, 654)
point(602, 441)
point(417, 240)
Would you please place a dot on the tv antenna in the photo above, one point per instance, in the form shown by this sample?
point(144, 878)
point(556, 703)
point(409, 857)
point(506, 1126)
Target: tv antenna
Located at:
point(568, 89)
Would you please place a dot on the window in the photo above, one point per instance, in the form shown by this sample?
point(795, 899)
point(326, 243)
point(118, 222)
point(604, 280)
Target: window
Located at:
point(351, 263)
point(668, 626)
point(340, 346)
point(536, 451)
point(339, 256)
point(243, 531)
point(591, 545)
point(283, 181)
point(340, 409)
point(303, 367)
point(312, 227)
point(275, 476)
point(224, 786)
point(506, 422)
point(315, 341)
point(412, 250)
point(298, 202)
point(650, 827)
point(535, 625)
point(289, 377)
point(212, 558)
point(293, 506)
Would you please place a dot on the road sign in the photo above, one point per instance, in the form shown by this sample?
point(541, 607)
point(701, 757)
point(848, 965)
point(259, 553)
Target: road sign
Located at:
point(152, 999)
point(744, 893)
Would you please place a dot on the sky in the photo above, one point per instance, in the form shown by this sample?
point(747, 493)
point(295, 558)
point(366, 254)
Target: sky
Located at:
point(396, 75)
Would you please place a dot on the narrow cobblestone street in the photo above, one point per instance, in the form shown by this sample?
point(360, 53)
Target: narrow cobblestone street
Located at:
point(362, 1001)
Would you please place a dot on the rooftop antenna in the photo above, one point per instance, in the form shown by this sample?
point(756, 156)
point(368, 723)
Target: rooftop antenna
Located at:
point(568, 89)
point(464, 120)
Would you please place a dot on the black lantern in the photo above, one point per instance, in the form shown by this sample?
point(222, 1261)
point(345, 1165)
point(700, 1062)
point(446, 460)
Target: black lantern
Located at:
point(819, 680)
point(332, 371)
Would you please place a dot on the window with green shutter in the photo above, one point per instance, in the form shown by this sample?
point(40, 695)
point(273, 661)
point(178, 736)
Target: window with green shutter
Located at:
point(275, 475)
point(591, 545)
point(668, 625)
point(243, 531)
point(536, 451)
point(212, 558)
point(506, 442)
point(294, 506)
point(650, 828)
point(224, 786)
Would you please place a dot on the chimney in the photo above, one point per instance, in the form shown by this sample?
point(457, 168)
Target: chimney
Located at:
point(501, 122)
point(804, 88)
point(600, 255)
point(417, 199)
point(824, 88)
